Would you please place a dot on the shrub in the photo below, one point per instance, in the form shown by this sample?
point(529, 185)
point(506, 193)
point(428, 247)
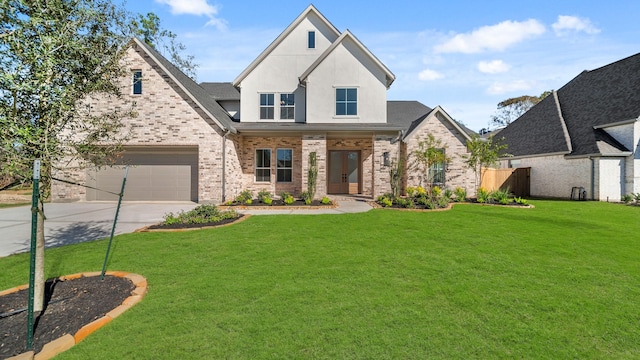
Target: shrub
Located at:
point(448, 194)
point(461, 194)
point(267, 201)
point(636, 197)
point(436, 191)
point(443, 202)
point(384, 200)
point(206, 213)
point(288, 200)
point(306, 196)
point(325, 200)
point(483, 196)
point(520, 201)
point(264, 195)
point(243, 196)
point(420, 191)
point(501, 196)
point(411, 191)
point(248, 201)
point(405, 203)
point(627, 198)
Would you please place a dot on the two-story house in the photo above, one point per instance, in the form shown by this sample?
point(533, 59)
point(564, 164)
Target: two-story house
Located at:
point(313, 89)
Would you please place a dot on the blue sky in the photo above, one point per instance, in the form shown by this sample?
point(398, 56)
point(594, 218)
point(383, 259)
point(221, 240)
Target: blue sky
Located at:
point(463, 55)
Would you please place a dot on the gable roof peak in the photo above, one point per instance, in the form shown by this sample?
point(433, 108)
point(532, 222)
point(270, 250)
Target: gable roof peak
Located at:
point(311, 9)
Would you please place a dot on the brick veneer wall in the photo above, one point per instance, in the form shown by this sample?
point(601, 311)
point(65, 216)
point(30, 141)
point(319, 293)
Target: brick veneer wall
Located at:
point(166, 117)
point(317, 143)
point(381, 173)
point(457, 173)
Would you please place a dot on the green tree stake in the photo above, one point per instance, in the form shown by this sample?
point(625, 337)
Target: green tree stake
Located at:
point(32, 268)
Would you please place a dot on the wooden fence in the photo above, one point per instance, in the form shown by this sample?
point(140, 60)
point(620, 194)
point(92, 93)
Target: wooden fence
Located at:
point(516, 180)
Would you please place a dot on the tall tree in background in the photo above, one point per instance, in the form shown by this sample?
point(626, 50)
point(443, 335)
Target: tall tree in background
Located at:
point(512, 108)
point(56, 56)
point(148, 28)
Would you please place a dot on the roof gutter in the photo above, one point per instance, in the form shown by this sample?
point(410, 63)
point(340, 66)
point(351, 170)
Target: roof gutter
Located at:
point(594, 155)
point(617, 123)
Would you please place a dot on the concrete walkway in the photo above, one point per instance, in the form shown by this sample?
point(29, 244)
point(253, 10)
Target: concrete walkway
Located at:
point(70, 223)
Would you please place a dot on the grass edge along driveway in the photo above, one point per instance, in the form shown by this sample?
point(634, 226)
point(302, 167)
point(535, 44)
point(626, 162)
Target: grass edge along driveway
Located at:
point(558, 281)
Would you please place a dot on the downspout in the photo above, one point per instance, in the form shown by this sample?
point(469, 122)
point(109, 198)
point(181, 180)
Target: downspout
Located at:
point(224, 164)
point(593, 177)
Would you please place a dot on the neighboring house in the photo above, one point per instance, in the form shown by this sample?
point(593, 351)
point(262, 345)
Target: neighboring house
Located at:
point(314, 89)
point(583, 135)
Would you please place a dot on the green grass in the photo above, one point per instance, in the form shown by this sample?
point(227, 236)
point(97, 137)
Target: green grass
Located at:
point(558, 281)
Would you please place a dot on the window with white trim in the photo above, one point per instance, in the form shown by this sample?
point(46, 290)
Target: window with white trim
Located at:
point(311, 40)
point(263, 165)
point(437, 170)
point(284, 165)
point(287, 106)
point(137, 82)
point(346, 101)
point(266, 106)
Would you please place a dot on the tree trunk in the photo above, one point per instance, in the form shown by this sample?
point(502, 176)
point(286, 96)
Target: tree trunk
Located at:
point(38, 288)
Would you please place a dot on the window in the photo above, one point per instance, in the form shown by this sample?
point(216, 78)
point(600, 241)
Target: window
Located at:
point(266, 106)
point(137, 82)
point(311, 43)
point(284, 165)
point(436, 171)
point(346, 101)
point(263, 165)
point(287, 106)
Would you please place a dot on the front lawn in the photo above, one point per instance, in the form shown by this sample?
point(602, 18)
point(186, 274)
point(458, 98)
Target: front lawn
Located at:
point(561, 280)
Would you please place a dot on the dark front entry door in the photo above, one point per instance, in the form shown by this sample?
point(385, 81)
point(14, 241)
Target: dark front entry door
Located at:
point(344, 172)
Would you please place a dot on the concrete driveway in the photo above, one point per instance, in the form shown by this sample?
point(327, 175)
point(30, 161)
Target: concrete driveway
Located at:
point(70, 223)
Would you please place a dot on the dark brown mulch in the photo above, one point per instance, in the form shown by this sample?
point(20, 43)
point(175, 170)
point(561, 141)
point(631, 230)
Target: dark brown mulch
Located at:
point(279, 202)
point(194, 226)
point(69, 305)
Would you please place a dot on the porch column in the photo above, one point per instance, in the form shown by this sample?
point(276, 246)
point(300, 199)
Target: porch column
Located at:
point(317, 143)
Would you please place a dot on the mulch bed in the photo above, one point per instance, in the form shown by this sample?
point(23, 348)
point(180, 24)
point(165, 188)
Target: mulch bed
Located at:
point(279, 202)
point(193, 226)
point(68, 306)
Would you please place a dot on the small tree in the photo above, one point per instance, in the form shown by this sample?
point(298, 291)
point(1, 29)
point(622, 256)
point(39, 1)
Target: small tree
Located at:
point(395, 177)
point(312, 175)
point(57, 55)
point(430, 152)
point(483, 153)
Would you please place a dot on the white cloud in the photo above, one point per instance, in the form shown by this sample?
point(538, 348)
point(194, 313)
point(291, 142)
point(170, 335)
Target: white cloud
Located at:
point(502, 88)
point(493, 67)
point(196, 7)
point(429, 75)
point(494, 37)
point(567, 24)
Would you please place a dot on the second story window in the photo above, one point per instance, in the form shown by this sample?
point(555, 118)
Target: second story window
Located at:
point(346, 101)
point(311, 40)
point(137, 82)
point(287, 106)
point(266, 106)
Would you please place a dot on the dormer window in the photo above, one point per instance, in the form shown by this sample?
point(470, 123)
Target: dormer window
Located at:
point(137, 82)
point(311, 40)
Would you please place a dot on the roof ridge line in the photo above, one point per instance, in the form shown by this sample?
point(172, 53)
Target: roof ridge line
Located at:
point(567, 137)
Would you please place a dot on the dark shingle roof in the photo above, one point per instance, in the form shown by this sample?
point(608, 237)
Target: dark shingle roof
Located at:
point(221, 90)
point(201, 96)
point(594, 98)
point(406, 114)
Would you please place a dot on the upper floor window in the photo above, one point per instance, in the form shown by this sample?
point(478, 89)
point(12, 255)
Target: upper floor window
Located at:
point(311, 40)
point(266, 106)
point(137, 82)
point(346, 101)
point(263, 165)
point(284, 165)
point(287, 106)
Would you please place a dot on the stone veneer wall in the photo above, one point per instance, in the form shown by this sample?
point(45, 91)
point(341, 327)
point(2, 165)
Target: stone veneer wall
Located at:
point(381, 173)
point(166, 117)
point(457, 173)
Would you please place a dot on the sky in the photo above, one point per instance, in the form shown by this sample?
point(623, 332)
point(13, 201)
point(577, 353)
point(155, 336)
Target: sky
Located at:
point(466, 56)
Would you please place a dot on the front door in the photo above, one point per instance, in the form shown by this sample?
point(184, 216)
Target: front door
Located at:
point(344, 172)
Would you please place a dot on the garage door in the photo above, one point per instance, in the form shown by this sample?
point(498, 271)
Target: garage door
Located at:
point(168, 174)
